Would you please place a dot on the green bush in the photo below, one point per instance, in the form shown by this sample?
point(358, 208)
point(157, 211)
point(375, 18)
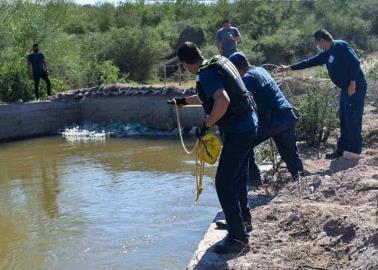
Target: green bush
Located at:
point(97, 74)
point(134, 51)
point(15, 84)
point(137, 38)
point(318, 118)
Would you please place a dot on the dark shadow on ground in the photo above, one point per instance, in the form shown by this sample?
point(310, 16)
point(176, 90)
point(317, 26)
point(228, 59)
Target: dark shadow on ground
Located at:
point(338, 165)
point(213, 261)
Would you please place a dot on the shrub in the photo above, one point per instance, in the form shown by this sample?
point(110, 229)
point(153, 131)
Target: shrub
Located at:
point(318, 118)
point(15, 84)
point(97, 74)
point(135, 51)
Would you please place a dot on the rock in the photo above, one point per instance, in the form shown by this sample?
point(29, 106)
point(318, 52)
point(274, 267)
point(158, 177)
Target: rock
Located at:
point(370, 184)
point(292, 217)
point(316, 181)
point(271, 217)
point(340, 229)
point(329, 192)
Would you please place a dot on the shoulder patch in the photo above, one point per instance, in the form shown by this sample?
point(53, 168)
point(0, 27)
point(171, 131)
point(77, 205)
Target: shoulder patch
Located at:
point(331, 58)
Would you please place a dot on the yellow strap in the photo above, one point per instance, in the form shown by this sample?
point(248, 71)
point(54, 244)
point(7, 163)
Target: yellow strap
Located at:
point(200, 165)
point(180, 132)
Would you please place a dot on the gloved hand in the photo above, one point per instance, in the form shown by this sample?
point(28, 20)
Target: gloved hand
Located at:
point(201, 130)
point(179, 101)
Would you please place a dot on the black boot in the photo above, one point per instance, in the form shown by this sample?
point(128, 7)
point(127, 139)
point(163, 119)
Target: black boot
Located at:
point(222, 225)
point(231, 245)
point(336, 154)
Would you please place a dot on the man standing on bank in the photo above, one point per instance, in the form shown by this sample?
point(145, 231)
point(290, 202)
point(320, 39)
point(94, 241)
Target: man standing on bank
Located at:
point(227, 39)
point(230, 106)
point(38, 69)
point(277, 118)
point(345, 72)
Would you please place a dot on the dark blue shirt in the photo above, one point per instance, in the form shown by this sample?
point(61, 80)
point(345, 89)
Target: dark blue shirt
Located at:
point(342, 64)
point(37, 62)
point(266, 93)
point(212, 80)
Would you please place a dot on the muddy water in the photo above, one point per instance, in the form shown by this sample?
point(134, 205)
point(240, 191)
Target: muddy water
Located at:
point(115, 204)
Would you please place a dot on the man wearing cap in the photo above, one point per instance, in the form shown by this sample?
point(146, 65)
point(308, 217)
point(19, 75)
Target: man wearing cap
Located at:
point(229, 105)
point(345, 72)
point(227, 39)
point(277, 118)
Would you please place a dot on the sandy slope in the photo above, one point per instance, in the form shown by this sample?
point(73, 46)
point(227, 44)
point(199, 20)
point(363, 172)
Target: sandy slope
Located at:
point(333, 225)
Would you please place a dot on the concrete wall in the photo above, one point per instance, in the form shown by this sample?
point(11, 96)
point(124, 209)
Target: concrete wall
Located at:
point(22, 120)
point(151, 111)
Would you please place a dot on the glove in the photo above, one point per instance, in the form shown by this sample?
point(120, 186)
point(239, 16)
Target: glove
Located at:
point(179, 101)
point(201, 130)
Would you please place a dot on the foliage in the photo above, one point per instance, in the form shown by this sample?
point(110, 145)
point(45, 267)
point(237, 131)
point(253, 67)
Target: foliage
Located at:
point(318, 118)
point(100, 73)
point(89, 45)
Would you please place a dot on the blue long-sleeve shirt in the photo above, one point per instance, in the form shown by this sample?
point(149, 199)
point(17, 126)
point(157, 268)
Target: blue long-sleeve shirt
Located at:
point(342, 64)
point(266, 93)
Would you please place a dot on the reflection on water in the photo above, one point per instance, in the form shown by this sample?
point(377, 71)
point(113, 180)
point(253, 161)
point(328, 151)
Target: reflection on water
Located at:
point(116, 204)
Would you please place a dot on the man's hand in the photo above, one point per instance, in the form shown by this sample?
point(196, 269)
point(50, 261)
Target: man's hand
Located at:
point(352, 88)
point(283, 68)
point(179, 101)
point(201, 130)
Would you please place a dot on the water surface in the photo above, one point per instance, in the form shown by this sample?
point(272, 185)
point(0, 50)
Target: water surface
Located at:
point(115, 204)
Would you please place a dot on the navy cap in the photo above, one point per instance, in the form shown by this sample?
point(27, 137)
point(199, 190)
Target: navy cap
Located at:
point(238, 58)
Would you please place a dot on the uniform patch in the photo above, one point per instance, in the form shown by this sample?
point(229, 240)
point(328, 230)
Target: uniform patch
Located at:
point(331, 58)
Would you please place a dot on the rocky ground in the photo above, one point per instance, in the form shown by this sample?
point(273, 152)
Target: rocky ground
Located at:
point(332, 225)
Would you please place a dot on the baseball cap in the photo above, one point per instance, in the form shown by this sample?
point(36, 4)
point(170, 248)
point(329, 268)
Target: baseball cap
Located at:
point(238, 58)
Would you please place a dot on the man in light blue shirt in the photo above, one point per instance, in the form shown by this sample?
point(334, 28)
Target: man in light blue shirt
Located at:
point(227, 39)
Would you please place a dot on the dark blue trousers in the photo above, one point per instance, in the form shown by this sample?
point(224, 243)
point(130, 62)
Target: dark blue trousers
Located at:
point(37, 77)
point(280, 127)
point(231, 180)
point(351, 111)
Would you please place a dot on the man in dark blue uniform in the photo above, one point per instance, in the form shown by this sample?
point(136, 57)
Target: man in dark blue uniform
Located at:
point(228, 105)
point(38, 69)
point(345, 71)
point(277, 118)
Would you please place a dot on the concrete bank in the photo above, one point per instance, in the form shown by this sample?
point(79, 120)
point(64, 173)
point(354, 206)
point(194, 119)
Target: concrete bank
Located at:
point(119, 103)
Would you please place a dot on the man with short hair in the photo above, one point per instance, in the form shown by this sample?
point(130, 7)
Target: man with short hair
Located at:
point(38, 69)
point(277, 118)
point(228, 105)
point(227, 39)
point(345, 72)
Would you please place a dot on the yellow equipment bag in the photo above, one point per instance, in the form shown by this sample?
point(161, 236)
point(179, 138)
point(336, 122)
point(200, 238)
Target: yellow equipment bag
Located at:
point(209, 147)
point(207, 150)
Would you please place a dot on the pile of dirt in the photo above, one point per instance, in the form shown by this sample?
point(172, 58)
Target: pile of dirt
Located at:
point(333, 225)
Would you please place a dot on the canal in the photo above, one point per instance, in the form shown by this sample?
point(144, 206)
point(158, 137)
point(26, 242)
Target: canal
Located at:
point(108, 204)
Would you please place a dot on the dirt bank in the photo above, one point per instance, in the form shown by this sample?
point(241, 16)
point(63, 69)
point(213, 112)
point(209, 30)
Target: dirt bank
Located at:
point(333, 225)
